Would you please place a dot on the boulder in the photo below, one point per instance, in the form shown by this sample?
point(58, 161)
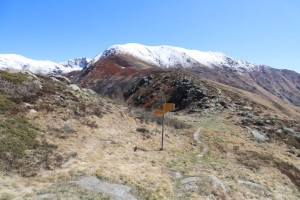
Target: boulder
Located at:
point(90, 91)
point(75, 87)
point(260, 137)
point(291, 131)
point(62, 79)
point(247, 108)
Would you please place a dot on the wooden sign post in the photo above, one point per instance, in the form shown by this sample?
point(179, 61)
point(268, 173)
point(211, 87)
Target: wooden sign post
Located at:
point(166, 106)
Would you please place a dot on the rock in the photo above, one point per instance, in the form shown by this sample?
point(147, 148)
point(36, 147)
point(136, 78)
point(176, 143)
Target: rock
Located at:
point(172, 173)
point(192, 111)
point(279, 131)
point(75, 87)
point(190, 179)
point(259, 136)
point(189, 186)
point(247, 108)
point(248, 183)
point(118, 191)
point(291, 131)
point(110, 142)
point(32, 111)
point(90, 91)
point(269, 122)
point(44, 196)
point(190, 183)
point(27, 105)
point(217, 183)
point(54, 79)
point(252, 122)
point(61, 78)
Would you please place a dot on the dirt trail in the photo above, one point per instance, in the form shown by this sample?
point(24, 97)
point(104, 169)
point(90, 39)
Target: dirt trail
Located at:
point(196, 137)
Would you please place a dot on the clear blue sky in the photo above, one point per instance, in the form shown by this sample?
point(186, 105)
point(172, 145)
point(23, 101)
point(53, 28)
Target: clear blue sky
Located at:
point(259, 31)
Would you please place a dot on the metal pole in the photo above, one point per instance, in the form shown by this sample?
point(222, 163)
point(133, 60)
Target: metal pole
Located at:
point(162, 133)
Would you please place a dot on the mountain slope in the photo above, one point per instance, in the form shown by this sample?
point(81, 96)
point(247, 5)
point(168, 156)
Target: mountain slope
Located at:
point(259, 79)
point(13, 61)
point(57, 134)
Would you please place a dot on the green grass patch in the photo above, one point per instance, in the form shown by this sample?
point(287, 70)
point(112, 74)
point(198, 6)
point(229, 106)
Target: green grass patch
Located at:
point(17, 135)
point(5, 103)
point(210, 123)
point(14, 77)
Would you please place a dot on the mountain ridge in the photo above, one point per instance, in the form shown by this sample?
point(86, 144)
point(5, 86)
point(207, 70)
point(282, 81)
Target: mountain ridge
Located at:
point(259, 79)
point(19, 62)
point(168, 56)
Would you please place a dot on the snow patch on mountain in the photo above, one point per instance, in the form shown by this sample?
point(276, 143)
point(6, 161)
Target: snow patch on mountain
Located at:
point(168, 56)
point(13, 61)
point(76, 63)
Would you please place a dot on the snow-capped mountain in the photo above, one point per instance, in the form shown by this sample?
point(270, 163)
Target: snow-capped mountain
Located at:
point(122, 64)
point(79, 63)
point(168, 56)
point(13, 61)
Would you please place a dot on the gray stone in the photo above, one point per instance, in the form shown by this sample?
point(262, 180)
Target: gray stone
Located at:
point(291, 131)
point(190, 179)
point(27, 105)
point(54, 79)
point(269, 122)
point(75, 87)
point(32, 111)
point(92, 92)
point(189, 186)
point(118, 191)
point(44, 196)
point(247, 108)
point(217, 183)
point(261, 137)
point(61, 78)
point(192, 111)
point(279, 131)
point(248, 183)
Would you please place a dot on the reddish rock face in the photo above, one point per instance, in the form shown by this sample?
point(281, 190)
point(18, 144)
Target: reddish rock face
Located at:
point(113, 76)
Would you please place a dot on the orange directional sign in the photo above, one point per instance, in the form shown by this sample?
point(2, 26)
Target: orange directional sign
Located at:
point(168, 106)
point(160, 112)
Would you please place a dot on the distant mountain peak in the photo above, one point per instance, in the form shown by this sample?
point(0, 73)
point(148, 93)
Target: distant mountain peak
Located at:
point(38, 66)
point(76, 62)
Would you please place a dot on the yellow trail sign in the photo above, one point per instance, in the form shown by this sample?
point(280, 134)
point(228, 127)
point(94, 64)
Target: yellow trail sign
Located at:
point(160, 112)
point(168, 106)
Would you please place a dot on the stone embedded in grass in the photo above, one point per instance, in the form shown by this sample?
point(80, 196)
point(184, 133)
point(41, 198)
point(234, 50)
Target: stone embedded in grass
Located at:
point(259, 136)
point(118, 191)
point(75, 87)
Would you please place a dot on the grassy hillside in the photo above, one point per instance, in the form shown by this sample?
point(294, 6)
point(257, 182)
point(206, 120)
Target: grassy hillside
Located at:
point(55, 135)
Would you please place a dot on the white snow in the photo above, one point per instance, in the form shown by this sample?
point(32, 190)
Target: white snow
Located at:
point(76, 63)
point(168, 56)
point(13, 61)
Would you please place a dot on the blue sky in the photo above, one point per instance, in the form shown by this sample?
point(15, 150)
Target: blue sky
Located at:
point(259, 31)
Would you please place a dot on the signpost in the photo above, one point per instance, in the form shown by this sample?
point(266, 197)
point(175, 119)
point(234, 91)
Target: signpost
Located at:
point(166, 106)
